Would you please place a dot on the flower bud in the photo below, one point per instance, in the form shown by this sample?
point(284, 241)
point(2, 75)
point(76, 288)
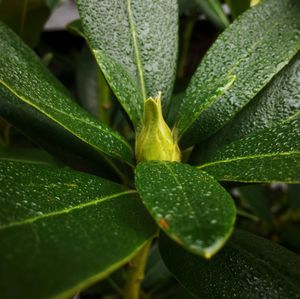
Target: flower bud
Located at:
point(155, 140)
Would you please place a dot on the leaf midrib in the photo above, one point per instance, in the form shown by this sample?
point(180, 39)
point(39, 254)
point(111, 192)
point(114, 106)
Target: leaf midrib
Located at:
point(67, 128)
point(183, 193)
point(136, 49)
point(262, 156)
point(65, 211)
point(227, 75)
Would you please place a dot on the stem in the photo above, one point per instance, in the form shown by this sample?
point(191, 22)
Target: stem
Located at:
point(136, 273)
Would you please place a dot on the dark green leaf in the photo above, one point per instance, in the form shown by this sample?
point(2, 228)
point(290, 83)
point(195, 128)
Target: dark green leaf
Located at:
point(214, 11)
point(76, 28)
point(135, 44)
point(255, 197)
point(25, 17)
point(239, 64)
point(270, 155)
point(276, 103)
point(190, 206)
point(55, 139)
point(93, 92)
point(29, 155)
point(52, 3)
point(23, 75)
point(62, 231)
point(237, 7)
point(248, 267)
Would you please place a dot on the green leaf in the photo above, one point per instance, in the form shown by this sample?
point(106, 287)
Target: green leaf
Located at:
point(237, 7)
point(190, 206)
point(52, 3)
point(248, 267)
point(239, 64)
point(25, 17)
point(62, 231)
point(267, 156)
point(278, 102)
point(214, 11)
point(76, 28)
point(57, 140)
point(23, 75)
point(28, 155)
point(135, 44)
point(93, 91)
point(255, 197)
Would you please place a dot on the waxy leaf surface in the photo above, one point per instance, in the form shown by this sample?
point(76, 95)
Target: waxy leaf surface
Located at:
point(135, 44)
point(238, 65)
point(23, 75)
point(62, 230)
point(278, 102)
point(190, 206)
point(270, 155)
point(247, 267)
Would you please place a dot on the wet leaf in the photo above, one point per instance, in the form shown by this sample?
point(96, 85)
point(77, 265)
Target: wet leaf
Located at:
point(278, 102)
point(190, 206)
point(248, 267)
point(135, 44)
point(238, 65)
point(62, 230)
point(24, 76)
point(270, 155)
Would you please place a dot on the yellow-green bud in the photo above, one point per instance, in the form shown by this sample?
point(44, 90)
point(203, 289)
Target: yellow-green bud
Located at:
point(155, 140)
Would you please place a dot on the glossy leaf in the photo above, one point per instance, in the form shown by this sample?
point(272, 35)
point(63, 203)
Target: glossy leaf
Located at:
point(214, 11)
point(239, 64)
point(135, 44)
point(190, 206)
point(25, 17)
point(55, 139)
point(278, 102)
point(62, 231)
point(248, 267)
point(23, 75)
point(267, 156)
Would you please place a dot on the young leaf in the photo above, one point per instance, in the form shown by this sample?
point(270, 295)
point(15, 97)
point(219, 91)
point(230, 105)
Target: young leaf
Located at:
point(190, 206)
point(248, 267)
point(278, 102)
point(267, 156)
point(62, 231)
point(239, 64)
point(23, 75)
point(25, 17)
point(213, 9)
point(135, 44)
